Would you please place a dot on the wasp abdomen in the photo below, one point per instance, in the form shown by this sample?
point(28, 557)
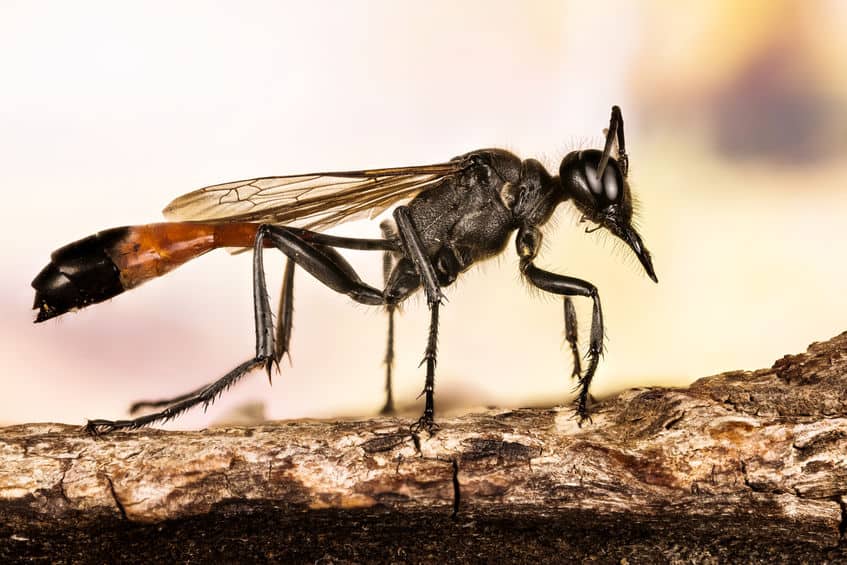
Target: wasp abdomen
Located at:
point(107, 263)
point(79, 274)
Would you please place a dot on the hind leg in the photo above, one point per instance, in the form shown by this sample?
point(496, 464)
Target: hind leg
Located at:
point(323, 262)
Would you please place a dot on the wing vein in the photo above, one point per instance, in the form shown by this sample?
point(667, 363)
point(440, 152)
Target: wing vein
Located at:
point(314, 200)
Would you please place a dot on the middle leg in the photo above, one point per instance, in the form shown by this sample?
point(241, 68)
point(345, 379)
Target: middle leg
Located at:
point(416, 257)
point(427, 421)
point(388, 263)
point(404, 280)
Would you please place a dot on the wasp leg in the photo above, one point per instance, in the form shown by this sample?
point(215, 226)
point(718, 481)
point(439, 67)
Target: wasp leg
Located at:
point(283, 338)
point(205, 396)
point(571, 335)
point(388, 408)
point(323, 262)
point(404, 280)
point(570, 286)
point(361, 244)
point(388, 262)
point(145, 404)
point(323, 242)
point(286, 302)
point(415, 251)
point(427, 421)
point(328, 266)
point(426, 273)
point(285, 315)
point(208, 394)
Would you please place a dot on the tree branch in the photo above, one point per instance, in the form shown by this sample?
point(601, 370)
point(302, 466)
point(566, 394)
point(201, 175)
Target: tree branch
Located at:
point(740, 464)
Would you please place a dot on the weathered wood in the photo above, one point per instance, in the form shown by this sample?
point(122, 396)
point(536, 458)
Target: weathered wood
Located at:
point(746, 464)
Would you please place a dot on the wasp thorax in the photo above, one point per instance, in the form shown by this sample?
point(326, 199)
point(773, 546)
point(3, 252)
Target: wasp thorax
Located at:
point(536, 194)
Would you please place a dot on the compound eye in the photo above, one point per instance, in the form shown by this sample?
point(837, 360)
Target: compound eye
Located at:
point(610, 184)
point(607, 190)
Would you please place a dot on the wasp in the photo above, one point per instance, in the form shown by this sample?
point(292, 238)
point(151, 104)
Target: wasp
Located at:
point(446, 218)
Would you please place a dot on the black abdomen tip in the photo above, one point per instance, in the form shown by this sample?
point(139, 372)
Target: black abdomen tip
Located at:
point(79, 274)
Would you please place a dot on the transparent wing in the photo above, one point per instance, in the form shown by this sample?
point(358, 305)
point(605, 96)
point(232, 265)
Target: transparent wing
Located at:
point(314, 201)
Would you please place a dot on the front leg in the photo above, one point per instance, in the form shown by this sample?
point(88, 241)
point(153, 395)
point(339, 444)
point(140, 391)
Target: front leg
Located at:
point(570, 286)
point(571, 335)
point(528, 242)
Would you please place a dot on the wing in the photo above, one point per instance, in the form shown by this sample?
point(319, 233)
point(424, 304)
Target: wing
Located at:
point(315, 201)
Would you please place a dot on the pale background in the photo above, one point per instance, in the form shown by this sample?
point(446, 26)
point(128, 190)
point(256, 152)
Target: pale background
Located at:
point(735, 122)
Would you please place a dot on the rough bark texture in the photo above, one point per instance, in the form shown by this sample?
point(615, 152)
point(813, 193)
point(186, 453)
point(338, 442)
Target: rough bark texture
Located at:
point(742, 465)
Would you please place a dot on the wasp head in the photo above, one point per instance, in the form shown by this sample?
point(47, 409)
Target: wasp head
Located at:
point(600, 192)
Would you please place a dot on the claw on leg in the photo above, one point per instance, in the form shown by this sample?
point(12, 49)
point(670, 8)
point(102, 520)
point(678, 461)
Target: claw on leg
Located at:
point(270, 364)
point(571, 336)
point(425, 423)
point(205, 396)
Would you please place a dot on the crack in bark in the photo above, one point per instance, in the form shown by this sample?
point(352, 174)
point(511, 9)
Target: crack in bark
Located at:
point(227, 484)
point(66, 465)
point(118, 502)
point(744, 477)
point(674, 421)
point(792, 490)
point(457, 493)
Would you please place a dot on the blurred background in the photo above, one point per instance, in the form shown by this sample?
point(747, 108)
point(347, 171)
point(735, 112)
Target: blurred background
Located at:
point(735, 123)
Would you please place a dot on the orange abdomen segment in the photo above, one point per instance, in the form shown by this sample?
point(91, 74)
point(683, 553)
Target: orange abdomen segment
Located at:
point(107, 263)
point(152, 250)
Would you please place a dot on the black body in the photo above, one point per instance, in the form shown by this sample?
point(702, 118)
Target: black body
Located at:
point(79, 274)
point(466, 213)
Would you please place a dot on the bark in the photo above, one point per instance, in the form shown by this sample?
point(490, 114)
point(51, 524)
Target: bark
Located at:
point(740, 465)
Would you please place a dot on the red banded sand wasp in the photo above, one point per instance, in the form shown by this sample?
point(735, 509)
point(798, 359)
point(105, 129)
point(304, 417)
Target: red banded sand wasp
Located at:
point(447, 217)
